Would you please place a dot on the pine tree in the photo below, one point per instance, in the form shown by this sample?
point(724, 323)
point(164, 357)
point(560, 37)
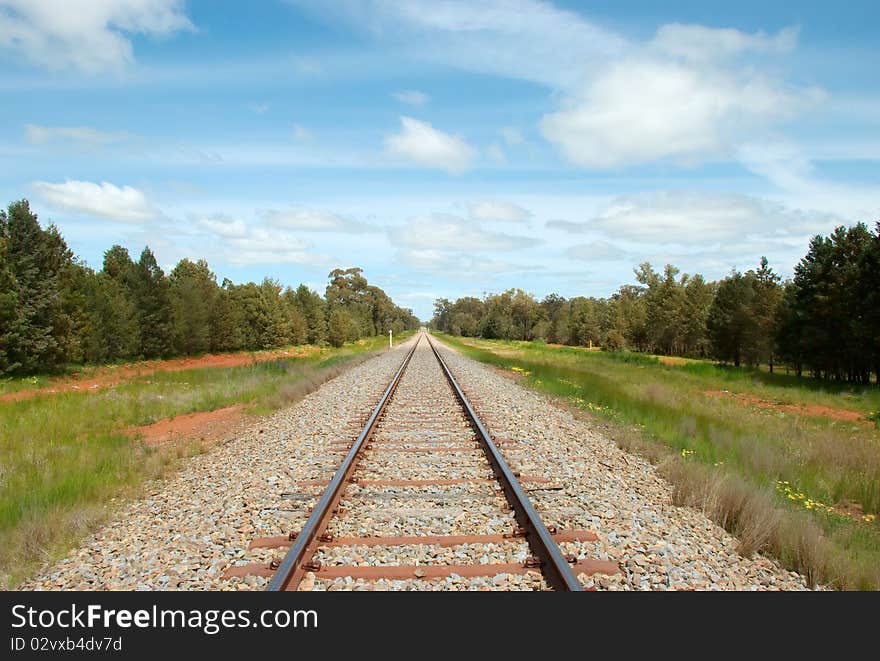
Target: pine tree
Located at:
point(731, 324)
point(36, 259)
point(313, 308)
point(768, 295)
point(226, 320)
point(114, 328)
point(339, 327)
point(10, 318)
point(193, 295)
point(152, 298)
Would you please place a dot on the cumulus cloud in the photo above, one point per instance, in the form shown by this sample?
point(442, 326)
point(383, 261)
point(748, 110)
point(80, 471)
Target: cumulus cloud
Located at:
point(264, 246)
point(698, 219)
point(647, 107)
point(460, 266)
point(567, 226)
point(314, 221)
point(412, 97)
point(79, 136)
point(499, 210)
point(439, 231)
point(422, 143)
point(687, 94)
point(231, 240)
point(126, 204)
point(598, 251)
point(83, 34)
point(224, 226)
point(699, 43)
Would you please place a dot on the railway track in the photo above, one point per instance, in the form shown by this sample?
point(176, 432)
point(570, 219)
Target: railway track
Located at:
point(424, 493)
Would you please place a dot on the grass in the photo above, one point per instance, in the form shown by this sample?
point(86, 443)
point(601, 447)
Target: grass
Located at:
point(803, 488)
point(64, 458)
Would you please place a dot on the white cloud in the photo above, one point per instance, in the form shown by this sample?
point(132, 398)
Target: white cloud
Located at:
point(499, 210)
point(567, 226)
point(412, 97)
point(786, 166)
point(598, 251)
point(264, 246)
point(642, 109)
point(314, 221)
point(259, 108)
point(699, 43)
point(422, 143)
point(513, 38)
point(80, 136)
point(124, 204)
point(689, 93)
point(440, 231)
point(224, 226)
point(460, 266)
point(84, 34)
point(701, 219)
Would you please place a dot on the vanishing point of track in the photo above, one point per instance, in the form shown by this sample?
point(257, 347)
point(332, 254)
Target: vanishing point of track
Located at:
point(424, 429)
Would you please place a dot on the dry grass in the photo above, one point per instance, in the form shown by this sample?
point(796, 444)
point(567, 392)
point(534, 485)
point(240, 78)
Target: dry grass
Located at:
point(802, 489)
point(309, 381)
point(43, 536)
point(66, 461)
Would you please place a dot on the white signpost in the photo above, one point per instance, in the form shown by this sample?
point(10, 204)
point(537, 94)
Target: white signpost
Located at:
point(390, 342)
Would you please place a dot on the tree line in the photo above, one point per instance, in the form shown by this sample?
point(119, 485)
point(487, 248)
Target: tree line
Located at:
point(55, 310)
point(824, 321)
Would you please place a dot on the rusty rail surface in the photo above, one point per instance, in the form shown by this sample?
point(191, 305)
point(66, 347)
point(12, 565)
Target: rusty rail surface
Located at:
point(548, 558)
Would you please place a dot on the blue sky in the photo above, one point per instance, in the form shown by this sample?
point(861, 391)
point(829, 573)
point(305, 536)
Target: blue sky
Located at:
point(448, 148)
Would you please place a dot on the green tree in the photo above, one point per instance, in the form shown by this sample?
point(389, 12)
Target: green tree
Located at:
point(768, 296)
point(731, 324)
point(313, 308)
point(226, 320)
point(119, 265)
point(10, 318)
point(36, 259)
point(297, 327)
point(114, 331)
point(153, 301)
point(339, 327)
point(584, 322)
point(555, 309)
point(193, 296)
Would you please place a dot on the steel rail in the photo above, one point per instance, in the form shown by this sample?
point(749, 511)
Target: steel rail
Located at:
point(292, 569)
point(554, 566)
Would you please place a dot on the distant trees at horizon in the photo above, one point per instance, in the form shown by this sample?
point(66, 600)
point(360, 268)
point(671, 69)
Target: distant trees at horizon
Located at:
point(55, 310)
point(825, 320)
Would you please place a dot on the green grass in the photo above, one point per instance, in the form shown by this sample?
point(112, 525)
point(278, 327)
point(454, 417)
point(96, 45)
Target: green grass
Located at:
point(63, 457)
point(787, 478)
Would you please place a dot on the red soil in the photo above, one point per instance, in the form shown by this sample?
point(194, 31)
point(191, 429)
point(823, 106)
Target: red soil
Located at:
point(813, 410)
point(209, 427)
point(103, 377)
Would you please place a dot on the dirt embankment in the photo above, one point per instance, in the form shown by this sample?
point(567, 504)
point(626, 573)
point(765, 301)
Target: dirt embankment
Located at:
point(104, 377)
point(207, 427)
point(812, 410)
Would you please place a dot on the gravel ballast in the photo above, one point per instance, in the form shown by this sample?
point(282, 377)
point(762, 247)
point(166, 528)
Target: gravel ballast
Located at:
point(185, 531)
